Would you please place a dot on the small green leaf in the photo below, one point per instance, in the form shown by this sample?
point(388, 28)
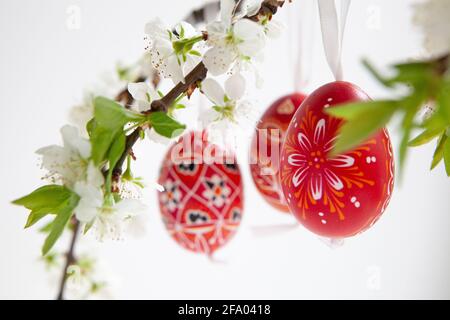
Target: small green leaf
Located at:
point(425, 137)
point(46, 228)
point(36, 215)
point(195, 53)
point(46, 197)
point(439, 151)
point(142, 134)
point(110, 114)
point(407, 124)
point(362, 124)
point(101, 140)
point(116, 150)
point(59, 223)
point(165, 125)
point(90, 126)
point(386, 82)
point(114, 154)
point(446, 153)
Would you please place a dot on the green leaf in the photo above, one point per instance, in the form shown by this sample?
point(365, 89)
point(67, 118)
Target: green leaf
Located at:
point(362, 124)
point(90, 126)
point(114, 154)
point(354, 110)
point(407, 124)
point(165, 125)
point(117, 148)
point(36, 215)
point(63, 216)
point(439, 151)
point(101, 140)
point(110, 114)
point(46, 228)
point(415, 73)
point(443, 101)
point(446, 152)
point(195, 53)
point(110, 119)
point(46, 197)
point(425, 137)
point(386, 82)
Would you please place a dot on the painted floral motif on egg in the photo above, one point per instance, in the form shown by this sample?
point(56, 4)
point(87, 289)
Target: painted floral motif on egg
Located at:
point(202, 200)
point(336, 196)
point(269, 133)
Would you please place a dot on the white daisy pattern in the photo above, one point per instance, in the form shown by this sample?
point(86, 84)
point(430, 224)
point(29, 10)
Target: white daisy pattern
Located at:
point(216, 191)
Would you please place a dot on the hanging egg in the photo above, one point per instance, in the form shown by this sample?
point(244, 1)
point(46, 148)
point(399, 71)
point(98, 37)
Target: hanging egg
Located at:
point(202, 200)
point(266, 147)
point(338, 196)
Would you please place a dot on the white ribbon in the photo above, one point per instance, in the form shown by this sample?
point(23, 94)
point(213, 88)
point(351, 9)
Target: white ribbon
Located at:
point(301, 36)
point(333, 32)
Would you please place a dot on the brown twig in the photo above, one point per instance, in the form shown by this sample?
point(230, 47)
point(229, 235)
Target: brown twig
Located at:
point(70, 259)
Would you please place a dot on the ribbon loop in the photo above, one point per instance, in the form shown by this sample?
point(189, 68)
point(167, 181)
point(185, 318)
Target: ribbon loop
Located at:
point(332, 28)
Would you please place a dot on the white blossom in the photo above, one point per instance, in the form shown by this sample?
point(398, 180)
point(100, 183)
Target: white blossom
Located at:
point(90, 278)
point(167, 49)
point(143, 94)
point(233, 39)
point(82, 113)
point(230, 112)
point(66, 164)
point(108, 220)
point(432, 17)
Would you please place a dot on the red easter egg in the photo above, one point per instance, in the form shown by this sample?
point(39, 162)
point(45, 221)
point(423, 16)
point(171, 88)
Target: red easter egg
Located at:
point(202, 200)
point(269, 134)
point(337, 196)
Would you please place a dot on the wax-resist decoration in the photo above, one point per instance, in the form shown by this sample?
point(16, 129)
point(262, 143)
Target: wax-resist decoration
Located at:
point(202, 200)
point(266, 147)
point(336, 196)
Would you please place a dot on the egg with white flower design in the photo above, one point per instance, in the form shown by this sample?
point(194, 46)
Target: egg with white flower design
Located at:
point(334, 196)
point(266, 147)
point(201, 200)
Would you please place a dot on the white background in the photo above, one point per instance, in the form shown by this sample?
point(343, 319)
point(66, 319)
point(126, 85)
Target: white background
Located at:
point(44, 68)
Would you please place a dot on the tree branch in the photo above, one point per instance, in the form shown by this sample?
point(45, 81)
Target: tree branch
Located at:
point(70, 259)
point(268, 8)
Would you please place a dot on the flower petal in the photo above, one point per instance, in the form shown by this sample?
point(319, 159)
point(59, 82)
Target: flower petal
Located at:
point(94, 176)
point(235, 86)
point(212, 89)
point(131, 207)
point(316, 186)
point(296, 160)
point(251, 35)
point(189, 30)
point(342, 161)
point(319, 132)
point(252, 7)
point(226, 10)
point(156, 29)
point(73, 141)
point(138, 91)
point(218, 60)
point(333, 180)
point(274, 29)
point(299, 175)
point(304, 142)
